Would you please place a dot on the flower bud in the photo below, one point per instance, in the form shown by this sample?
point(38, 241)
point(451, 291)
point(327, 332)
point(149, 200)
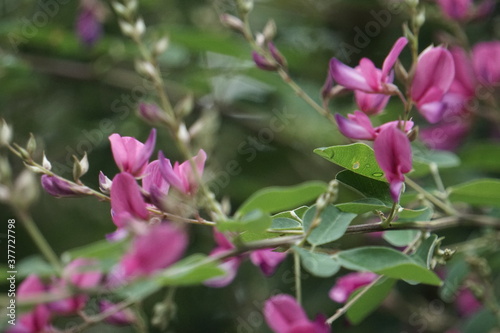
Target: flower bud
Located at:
point(420, 18)
point(152, 113)
point(104, 183)
point(31, 145)
point(232, 22)
point(25, 190)
point(126, 28)
point(80, 167)
point(184, 106)
point(146, 68)
point(5, 133)
point(280, 59)
point(245, 6)
point(140, 27)
point(60, 188)
point(46, 163)
point(120, 9)
point(160, 46)
point(269, 31)
point(262, 62)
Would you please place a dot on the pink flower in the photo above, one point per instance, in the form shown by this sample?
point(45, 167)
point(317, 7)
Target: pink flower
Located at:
point(38, 319)
point(154, 178)
point(434, 74)
point(466, 303)
point(131, 155)
point(61, 188)
point(122, 317)
point(127, 203)
point(366, 77)
point(445, 135)
point(229, 266)
point(284, 315)
point(393, 153)
point(161, 246)
point(88, 26)
point(262, 63)
point(349, 283)
point(77, 274)
point(464, 83)
point(485, 60)
point(462, 10)
point(181, 176)
point(371, 104)
point(267, 260)
point(152, 113)
point(358, 126)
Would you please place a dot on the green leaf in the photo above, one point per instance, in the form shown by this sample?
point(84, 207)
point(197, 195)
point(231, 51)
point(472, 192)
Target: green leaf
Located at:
point(425, 251)
point(400, 237)
point(295, 214)
point(357, 157)
point(370, 300)
point(318, 264)
point(422, 214)
point(458, 270)
point(140, 289)
point(35, 264)
point(389, 262)
point(99, 250)
point(275, 199)
point(362, 206)
point(482, 192)
point(284, 223)
point(423, 159)
point(481, 156)
point(367, 187)
point(333, 224)
point(483, 321)
point(255, 221)
point(248, 236)
point(190, 271)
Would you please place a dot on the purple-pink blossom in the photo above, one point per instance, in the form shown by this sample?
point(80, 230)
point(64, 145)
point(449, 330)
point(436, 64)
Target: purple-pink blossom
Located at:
point(463, 10)
point(267, 260)
point(61, 188)
point(229, 266)
point(485, 60)
point(38, 319)
point(371, 104)
point(358, 126)
point(181, 176)
point(393, 153)
point(433, 77)
point(127, 203)
point(88, 26)
point(131, 155)
point(366, 77)
point(159, 247)
point(121, 317)
point(466, 303)
point(349, 283)
point(80, 273)
point(284, 315)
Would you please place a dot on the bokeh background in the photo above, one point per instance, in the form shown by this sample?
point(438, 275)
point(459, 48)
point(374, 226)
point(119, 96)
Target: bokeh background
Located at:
point(72, 97)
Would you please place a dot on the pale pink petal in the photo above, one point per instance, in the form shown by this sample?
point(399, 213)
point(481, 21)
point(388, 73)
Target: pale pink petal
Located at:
point(393, 55)
point(348, 77)
point(230, 268)
point(282, 312)
point(347, 284)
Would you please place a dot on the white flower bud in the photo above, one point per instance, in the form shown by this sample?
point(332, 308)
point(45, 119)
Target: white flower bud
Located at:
point(46, 163)
point(5, 133)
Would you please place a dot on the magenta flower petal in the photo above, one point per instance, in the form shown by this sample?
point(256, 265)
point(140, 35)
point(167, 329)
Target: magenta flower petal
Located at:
point(230, 268)
point(347, 284)
point(262, 63)
point(80, 274)
point(348, 77)
point(267, 260)
point(464, 83)
point(153, 177)
point(181, 176)
point(356, 126)
point(466, 303)
point(485, 60)
point(159, 248)
point(393, 55)
point(60, 188)
point(88, 26)
point(370, 73)
point(126, 200)
point(393, 153)
point(282, 312)
point(434, 75)
point(131, 155)
point(371, 104)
